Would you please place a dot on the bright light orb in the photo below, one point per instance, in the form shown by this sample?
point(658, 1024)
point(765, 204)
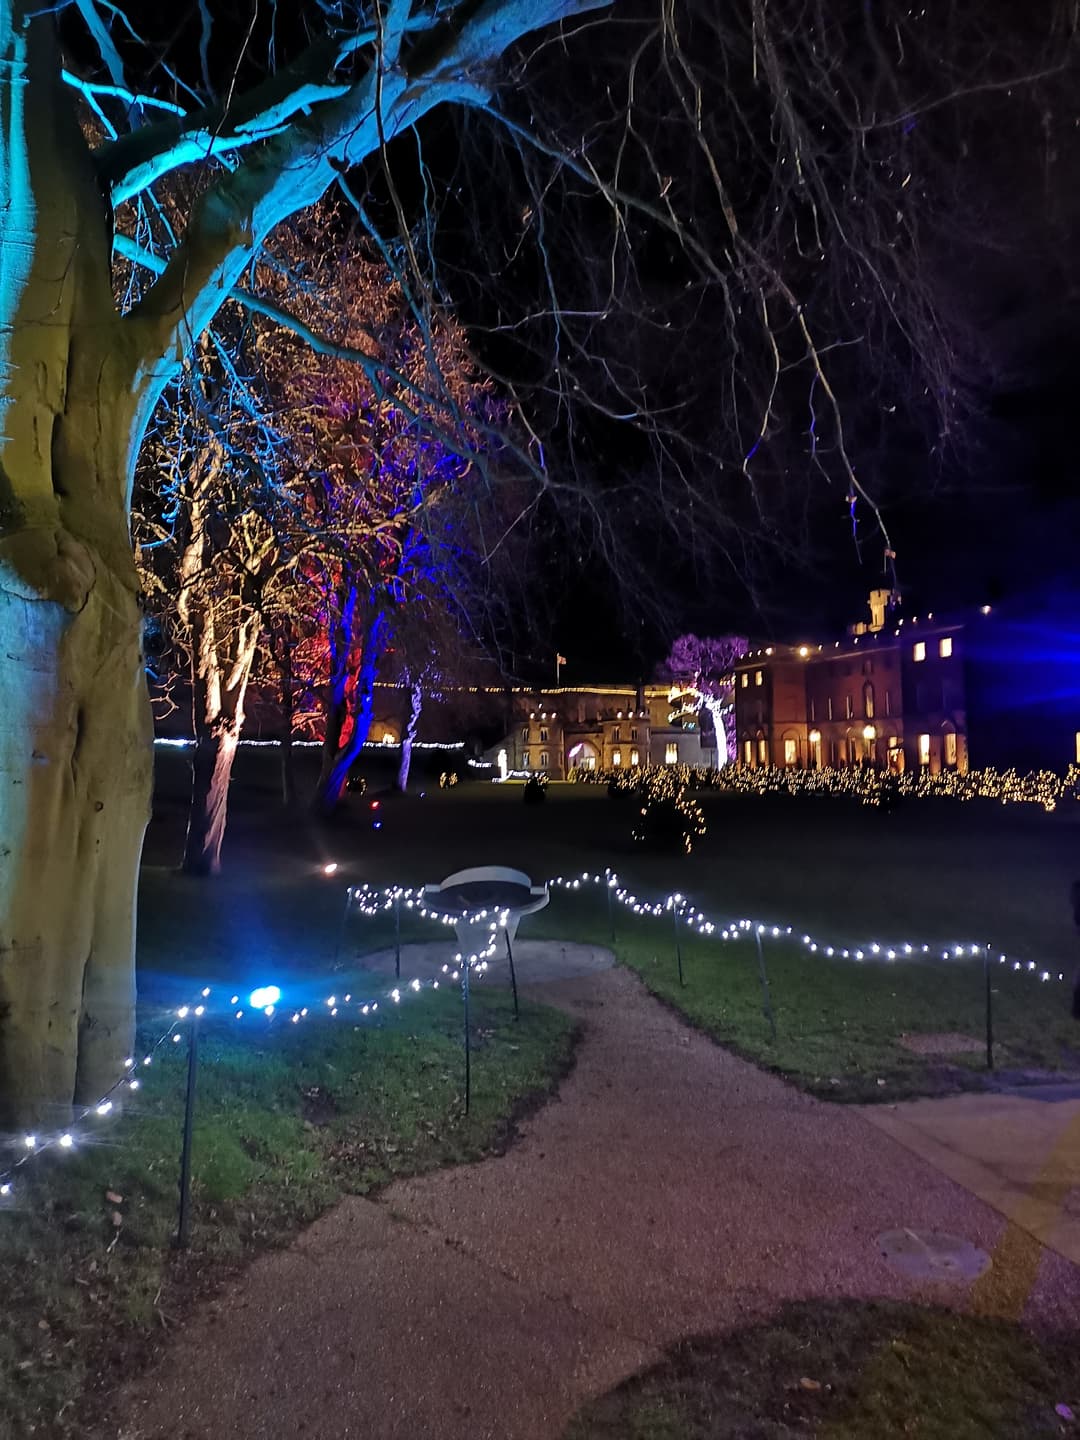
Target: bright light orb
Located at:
point(330, 869)
point(265, 995)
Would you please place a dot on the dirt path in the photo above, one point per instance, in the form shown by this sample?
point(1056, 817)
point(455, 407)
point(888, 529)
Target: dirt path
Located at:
point(671, 1189)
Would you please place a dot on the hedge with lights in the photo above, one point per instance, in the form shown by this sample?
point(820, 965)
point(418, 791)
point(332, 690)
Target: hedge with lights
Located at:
point(867, 785)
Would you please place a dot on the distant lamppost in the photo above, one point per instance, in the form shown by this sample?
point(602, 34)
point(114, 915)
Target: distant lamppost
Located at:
point(869, 736)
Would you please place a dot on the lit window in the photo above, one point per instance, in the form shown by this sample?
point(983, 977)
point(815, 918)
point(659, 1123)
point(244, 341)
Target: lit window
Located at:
point(543, 735)
point(763, 750)
point(945, 647)
point(616, 758)
point(633, 734)
point(671, 753)
point(918, 651)
point(791, 752)
point(543, 760)
point(828, 707)
point(950, 748)
point(745, 679)
point(616, 734)
point(526, 763)
point(759, 678)
point(888, 702)
point(748, 749)
point(525, 736)
point(924, 749)
point(1078, 747)
point(813, 716)
point(868, 701)
point(634, 758)
point(849, 706)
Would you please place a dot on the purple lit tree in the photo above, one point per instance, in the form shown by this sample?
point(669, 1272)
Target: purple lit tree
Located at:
point(699, 668)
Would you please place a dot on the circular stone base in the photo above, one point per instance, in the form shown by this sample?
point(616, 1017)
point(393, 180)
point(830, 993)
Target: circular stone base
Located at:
point(931, 1255)
point(537, 962)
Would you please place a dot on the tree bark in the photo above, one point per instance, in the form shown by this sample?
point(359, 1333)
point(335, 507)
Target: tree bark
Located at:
point(288, 772)
point(75, 727)
point(408, 738)
point(223, 633)
point(75, 764)
point(350, 711)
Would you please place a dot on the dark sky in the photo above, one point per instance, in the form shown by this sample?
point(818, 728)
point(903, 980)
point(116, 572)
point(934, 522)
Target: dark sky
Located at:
point(980, 513)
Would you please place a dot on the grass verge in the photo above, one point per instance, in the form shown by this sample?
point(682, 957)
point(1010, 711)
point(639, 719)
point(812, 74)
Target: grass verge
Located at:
point(840, 1023)
point(849, 1371)
point(289, 1119)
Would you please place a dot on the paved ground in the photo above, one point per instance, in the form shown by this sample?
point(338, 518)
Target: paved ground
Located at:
point(1019, 1152)
point(538, 962)
point(670, 1189)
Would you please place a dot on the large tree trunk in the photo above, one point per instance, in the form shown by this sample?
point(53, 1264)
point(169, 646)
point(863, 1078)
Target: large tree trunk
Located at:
point(75, 764)
point(75, 731)
point(408, 738)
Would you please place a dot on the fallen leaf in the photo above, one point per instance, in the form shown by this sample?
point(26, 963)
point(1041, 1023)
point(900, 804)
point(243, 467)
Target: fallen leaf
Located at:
point(807, 1384)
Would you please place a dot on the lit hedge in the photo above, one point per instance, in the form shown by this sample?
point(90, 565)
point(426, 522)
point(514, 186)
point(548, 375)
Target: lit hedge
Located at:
point(867, 785)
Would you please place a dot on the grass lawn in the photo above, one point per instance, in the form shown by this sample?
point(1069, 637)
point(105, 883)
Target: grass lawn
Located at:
point(851, 1372)
point(289, 1119)
point(947, 869)
point(838, 1023)
point(934, 871)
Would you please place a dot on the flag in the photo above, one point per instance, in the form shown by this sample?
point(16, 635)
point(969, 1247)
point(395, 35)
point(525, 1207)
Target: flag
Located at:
point(560, 659)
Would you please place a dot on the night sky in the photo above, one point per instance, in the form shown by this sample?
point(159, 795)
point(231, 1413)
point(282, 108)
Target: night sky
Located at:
point(976, 513)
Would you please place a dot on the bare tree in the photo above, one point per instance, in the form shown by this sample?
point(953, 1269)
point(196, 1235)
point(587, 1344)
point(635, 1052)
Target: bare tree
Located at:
point(700, 668)
point(215, 537)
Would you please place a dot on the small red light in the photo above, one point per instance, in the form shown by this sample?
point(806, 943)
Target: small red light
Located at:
point(375, 804)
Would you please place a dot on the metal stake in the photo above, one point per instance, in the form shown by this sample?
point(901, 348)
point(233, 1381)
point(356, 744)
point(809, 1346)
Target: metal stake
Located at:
point(397, 937)
point(468, 1057)
point(513, 976)
point(766, 1006)
point(989, 1010)
point(183, 1229)
point(678, 947)
point(344, 926)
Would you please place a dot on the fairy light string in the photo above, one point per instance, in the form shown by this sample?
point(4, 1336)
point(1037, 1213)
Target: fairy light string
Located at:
point(370, 901)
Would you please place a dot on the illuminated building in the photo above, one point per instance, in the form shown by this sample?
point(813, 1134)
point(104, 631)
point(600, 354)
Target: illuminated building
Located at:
point(991, 686)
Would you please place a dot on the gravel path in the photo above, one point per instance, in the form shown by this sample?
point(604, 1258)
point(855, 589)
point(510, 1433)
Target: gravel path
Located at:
point(671, 1189)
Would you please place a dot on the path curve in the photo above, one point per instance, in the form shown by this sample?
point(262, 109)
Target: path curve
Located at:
point(670, 1189)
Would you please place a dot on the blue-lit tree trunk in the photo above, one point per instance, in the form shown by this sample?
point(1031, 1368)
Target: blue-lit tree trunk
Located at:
point(78, 384)
point(350, 705)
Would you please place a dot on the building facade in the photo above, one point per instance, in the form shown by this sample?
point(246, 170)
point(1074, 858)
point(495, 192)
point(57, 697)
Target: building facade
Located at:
point(894, 697)
point(600, 727)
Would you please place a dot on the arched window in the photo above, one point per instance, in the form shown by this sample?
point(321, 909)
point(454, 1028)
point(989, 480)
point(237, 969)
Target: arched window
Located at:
point(868, 700)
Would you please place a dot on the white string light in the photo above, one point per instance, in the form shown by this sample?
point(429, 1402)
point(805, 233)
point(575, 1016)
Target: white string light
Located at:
point(735, 929)
point(263, 1001)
